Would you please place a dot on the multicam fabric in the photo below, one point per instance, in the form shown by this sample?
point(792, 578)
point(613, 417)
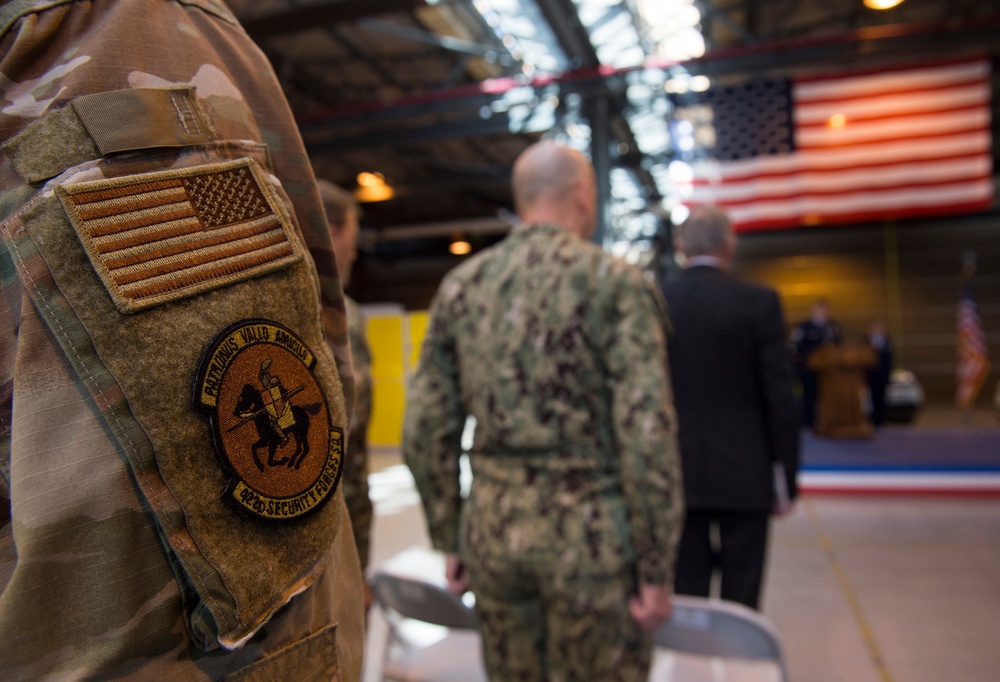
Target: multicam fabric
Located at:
point(355, 481)
point(557, 350)
point(120, 558)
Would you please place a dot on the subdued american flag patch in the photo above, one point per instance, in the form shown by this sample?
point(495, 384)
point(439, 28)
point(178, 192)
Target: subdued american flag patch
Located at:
point(160, 237)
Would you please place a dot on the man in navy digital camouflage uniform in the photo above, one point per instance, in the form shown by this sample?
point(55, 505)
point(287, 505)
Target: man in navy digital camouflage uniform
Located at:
point(557, 350)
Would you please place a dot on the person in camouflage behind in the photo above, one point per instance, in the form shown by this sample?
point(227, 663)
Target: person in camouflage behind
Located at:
point(162, 241)
point(342, 214)
point(557, 350)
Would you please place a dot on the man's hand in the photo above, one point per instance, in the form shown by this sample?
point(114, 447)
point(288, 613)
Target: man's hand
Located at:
point(651, 608)
point(783, 510)
point(458, 579)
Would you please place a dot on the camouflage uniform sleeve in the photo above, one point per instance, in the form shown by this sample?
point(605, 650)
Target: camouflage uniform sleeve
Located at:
point(432, 429)
point(645, 425)
point(10, 313)
point(111, 460)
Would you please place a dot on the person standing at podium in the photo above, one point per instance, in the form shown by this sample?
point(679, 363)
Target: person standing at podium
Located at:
point(733, 391)
point(807, 337)
point(878, 375)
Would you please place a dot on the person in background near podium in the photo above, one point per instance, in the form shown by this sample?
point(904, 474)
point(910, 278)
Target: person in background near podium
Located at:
point(807, 337)
point(737, 425)
point(342, 216)
point(878, 375)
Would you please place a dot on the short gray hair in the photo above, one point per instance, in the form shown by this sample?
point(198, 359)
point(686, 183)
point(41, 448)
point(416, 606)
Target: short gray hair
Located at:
point(706, 231)
point(337, 202)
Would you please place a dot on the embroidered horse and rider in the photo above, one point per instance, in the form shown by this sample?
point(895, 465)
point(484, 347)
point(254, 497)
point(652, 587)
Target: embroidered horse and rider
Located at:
point(277, 420)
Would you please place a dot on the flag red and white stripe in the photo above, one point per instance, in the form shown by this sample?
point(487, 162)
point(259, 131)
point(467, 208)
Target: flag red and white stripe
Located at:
point(913, 142)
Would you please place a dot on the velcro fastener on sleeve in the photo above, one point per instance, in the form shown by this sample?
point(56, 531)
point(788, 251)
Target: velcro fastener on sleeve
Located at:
point(105, 123)
point(143, 118)
point(50, 145)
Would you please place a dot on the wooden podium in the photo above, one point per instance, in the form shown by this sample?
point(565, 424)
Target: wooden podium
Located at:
point(841, 370)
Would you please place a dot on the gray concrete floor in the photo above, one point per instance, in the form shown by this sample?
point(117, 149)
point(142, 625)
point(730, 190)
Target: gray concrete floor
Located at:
point(887, 589)
point(861, 588)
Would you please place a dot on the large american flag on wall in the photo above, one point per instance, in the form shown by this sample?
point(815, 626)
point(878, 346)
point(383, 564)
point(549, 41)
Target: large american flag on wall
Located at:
point(892, 144)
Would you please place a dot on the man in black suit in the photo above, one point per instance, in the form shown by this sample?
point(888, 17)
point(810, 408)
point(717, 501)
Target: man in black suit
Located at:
point(732, 377)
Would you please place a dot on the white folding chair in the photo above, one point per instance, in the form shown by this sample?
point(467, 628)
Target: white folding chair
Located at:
point(432, 632)
point(746, 643)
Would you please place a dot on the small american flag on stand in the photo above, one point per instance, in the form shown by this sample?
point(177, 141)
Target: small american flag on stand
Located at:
point(973, 363)
point(894, 144)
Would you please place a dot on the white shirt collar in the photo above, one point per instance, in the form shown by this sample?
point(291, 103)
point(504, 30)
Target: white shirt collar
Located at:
point(712, 261)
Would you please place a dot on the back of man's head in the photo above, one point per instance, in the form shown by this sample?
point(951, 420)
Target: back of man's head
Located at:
point(554, 183)
point(342, 215)
point(706, 232)
point(337, 202)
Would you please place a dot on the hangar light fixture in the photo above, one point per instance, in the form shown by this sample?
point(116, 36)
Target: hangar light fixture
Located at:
point(459, 245)
point(881, 4)
point(372, 187)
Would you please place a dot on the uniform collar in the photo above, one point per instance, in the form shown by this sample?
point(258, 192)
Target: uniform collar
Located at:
point(538, 228)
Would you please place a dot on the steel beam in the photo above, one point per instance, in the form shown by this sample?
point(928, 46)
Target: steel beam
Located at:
point(323, 14)
point(787, 57)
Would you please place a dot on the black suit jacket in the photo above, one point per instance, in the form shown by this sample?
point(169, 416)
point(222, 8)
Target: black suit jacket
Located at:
point(732, 377)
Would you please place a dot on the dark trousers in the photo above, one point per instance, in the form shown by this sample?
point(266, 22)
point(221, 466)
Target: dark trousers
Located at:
point(877, 384)
point(739, 556)
point(810, 396)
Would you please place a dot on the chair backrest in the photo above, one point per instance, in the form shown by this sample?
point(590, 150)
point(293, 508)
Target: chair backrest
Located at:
point(420, 600)
point(710, 627)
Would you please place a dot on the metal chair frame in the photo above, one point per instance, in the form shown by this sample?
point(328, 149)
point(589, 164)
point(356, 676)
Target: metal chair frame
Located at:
point(712, 627)
point(403, 598)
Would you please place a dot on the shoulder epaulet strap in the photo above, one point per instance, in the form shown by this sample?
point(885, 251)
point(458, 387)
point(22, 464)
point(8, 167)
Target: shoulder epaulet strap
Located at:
point(12, 10)
point(104, 123)
point(216, 7)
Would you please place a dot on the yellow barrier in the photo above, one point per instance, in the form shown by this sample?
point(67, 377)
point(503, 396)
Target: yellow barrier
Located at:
point(395, 337)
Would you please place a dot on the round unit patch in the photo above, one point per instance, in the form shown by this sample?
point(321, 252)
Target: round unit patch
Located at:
point(271, 427)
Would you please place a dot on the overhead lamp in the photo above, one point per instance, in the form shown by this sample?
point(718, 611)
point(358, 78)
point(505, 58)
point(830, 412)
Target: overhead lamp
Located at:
point(372, 187)
point(678, 85)
point(881, 4)
point(459, 245)
point(700, 83)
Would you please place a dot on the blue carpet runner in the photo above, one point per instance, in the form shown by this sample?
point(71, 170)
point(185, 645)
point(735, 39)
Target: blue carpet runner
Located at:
point(903, 459)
